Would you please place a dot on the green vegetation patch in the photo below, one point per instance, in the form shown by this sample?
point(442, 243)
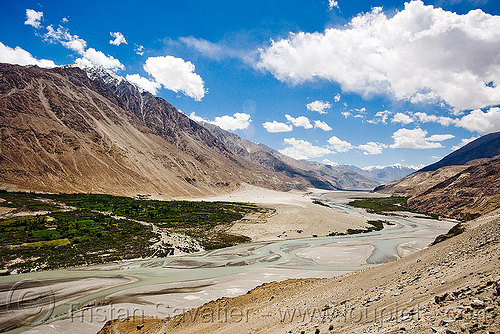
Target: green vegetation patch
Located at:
point(162, 213)
point(382, 205)
point(377, 225)
point(53, 243)
point(24, 201)
point(388, 204)
point(70, 238)
point(92, 228)
point(222, 239)
point(207, 222)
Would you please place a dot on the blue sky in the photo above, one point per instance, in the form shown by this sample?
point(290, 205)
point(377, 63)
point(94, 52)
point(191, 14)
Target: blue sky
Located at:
point(357, 82)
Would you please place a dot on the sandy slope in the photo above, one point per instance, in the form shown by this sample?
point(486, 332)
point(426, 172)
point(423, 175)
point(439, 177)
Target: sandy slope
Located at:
point(295, 215)
point(450, 287)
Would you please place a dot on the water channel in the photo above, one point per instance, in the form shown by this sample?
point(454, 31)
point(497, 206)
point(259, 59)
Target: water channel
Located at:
point(83, 299)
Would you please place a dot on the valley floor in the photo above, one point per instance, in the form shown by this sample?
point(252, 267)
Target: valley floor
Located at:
point(450, 287)
point(294, 216)
point(191, 281)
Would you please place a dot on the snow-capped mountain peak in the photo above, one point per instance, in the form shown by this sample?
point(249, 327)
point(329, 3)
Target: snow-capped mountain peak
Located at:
point(107, 76)
point(393, 166)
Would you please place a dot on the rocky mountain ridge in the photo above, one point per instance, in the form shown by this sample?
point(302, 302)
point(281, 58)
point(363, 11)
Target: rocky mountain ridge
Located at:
point(466, 195)
point(62, 131)
point(462, 191)
point(485, 147)
point(72, 130)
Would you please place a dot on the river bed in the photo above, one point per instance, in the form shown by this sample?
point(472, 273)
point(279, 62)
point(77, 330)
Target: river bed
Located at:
point(83, 299)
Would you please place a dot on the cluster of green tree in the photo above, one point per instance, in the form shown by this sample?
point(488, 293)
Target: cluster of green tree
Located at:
point(89, 233)
point(382, 205)
point(70, 238)
point(162, 213)
point(25, 201)
point(385, 205)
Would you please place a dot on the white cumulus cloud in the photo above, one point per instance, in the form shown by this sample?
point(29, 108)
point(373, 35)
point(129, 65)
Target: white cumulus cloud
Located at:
point(360, 110)
point(33, 18)
point(481, 121)
point(339, 145)
point(63, 36)
point(21, 57)
point(322, 125)
point(333, 4)
point(425, 118)
point(440, 137)
point(382, 54)
point(93, 57)
point(276, 126)
point(139, 50)
point(302, 121)
point(417, 139)
point(119, 38)
point(319, 106)
point(144, 83)
point(302, 149)
point(238, 121)
point(88, 56)
point(371, 148)
point(176, 74)
point(401, 118)
point(380, 117)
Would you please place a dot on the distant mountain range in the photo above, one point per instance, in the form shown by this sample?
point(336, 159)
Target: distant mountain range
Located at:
point(382, 174)
point(69, 129)
point(316, 174)
point(464, 184)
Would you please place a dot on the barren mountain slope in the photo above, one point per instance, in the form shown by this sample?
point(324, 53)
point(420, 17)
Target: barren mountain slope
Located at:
point(419, 182)
point(474, 153)
point(461, 191)
point(472, 192)
point(160, 116)
point(74, 130)
point(61, 131)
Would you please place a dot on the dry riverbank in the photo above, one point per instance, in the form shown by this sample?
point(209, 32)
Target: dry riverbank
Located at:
point(450, 287)
point(173, 285)
point(293, 215)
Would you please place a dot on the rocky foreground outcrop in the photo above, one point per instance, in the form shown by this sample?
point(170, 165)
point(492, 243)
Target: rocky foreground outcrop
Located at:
point(450, 287)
